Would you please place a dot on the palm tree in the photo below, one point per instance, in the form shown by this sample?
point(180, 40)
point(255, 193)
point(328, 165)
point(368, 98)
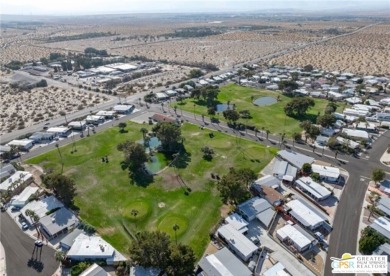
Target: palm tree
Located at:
point(267, 133)
point(63, 113)
point(60, 256)
point(374, 201)
point(144, 132)
point(175, 228)
point(34, 219)
point(62, 161)
point(295, 136)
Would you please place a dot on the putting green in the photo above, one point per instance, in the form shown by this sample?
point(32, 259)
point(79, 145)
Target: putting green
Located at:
point(136, 210)
point(167, 222)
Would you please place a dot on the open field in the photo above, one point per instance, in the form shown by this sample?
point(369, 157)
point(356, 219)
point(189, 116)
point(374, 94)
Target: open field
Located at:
point(22, 108)
point(270, 117)
point(364, 53)
point(106, 196)
point(236, 40)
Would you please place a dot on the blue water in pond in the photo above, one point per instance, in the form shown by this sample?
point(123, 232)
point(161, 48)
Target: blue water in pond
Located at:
point(154, 165)
point(222, 107)
point(265, 101)
point(154, 143)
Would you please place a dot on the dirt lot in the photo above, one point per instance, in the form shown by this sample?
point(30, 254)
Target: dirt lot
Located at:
point(364, 52)
point(21, 108)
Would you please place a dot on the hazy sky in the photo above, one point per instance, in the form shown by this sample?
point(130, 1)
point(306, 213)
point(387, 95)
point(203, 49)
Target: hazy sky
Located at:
point(77, 7)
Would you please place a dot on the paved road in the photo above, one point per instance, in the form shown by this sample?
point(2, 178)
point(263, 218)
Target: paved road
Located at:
point(19, 247)
point(347, 219)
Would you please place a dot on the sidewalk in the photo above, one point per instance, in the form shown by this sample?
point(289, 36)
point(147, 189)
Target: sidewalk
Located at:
point(3, 271)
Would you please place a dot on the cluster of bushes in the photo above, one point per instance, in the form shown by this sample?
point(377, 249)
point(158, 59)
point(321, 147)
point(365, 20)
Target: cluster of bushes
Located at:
point(78, 36)
point(95, 52)
point(89, 229)
point(14, 65)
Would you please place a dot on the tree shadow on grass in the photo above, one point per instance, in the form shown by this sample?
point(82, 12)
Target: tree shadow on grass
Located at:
point(141, 178)
point(309, 117)
point(183, 159)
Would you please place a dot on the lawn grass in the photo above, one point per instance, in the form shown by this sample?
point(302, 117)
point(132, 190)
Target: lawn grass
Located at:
point(270, 117)
point(106, 197)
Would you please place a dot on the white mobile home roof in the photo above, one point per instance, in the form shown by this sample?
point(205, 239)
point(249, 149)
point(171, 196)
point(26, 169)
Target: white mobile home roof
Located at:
point(76, 123)
point(160, 95)
point(303, 213)
point(21, 176)
point(295, 158)
point(122, 66)
point(25, 195)
point(326, 171)
point(94, 270)
point(382, 225)
point(276, 270)
point(171, 93)
point(58, 129)
point(289, 231)
point(122, 107)
point(355, 112)
point(237, 240)
point(105, 113)
point(22, 143)
point(354, 100)
point(237, 222)
point(223, 263)
point(351, 144)
point(6, 170)
point(384, 205)
point(269, 181)
point(314, 188)
point(94, 118)
point(355, 133)
point(90, 247)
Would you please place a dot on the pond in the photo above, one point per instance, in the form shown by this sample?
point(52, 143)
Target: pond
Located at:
point(154, 143)
point(221, 107)
point(263, 101)
point(154, 165)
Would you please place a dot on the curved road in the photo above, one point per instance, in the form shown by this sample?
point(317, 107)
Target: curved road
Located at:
point(19, 248)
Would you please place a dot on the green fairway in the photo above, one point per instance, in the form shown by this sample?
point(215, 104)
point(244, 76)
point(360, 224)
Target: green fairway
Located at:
point(107, 199)
point(270, 117)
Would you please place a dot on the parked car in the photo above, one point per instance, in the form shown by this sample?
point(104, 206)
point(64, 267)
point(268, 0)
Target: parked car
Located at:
point(38, 243)
point(15, 209)
point(24, 226)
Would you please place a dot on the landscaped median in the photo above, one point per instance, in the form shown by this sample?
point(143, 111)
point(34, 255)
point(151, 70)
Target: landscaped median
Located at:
point(184, 195)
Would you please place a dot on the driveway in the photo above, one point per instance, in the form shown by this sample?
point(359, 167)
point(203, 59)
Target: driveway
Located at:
point(18, 249)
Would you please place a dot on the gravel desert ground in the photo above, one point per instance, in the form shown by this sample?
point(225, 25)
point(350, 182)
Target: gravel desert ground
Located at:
point(365, 52)
point(23, 108)
point(234, 41)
